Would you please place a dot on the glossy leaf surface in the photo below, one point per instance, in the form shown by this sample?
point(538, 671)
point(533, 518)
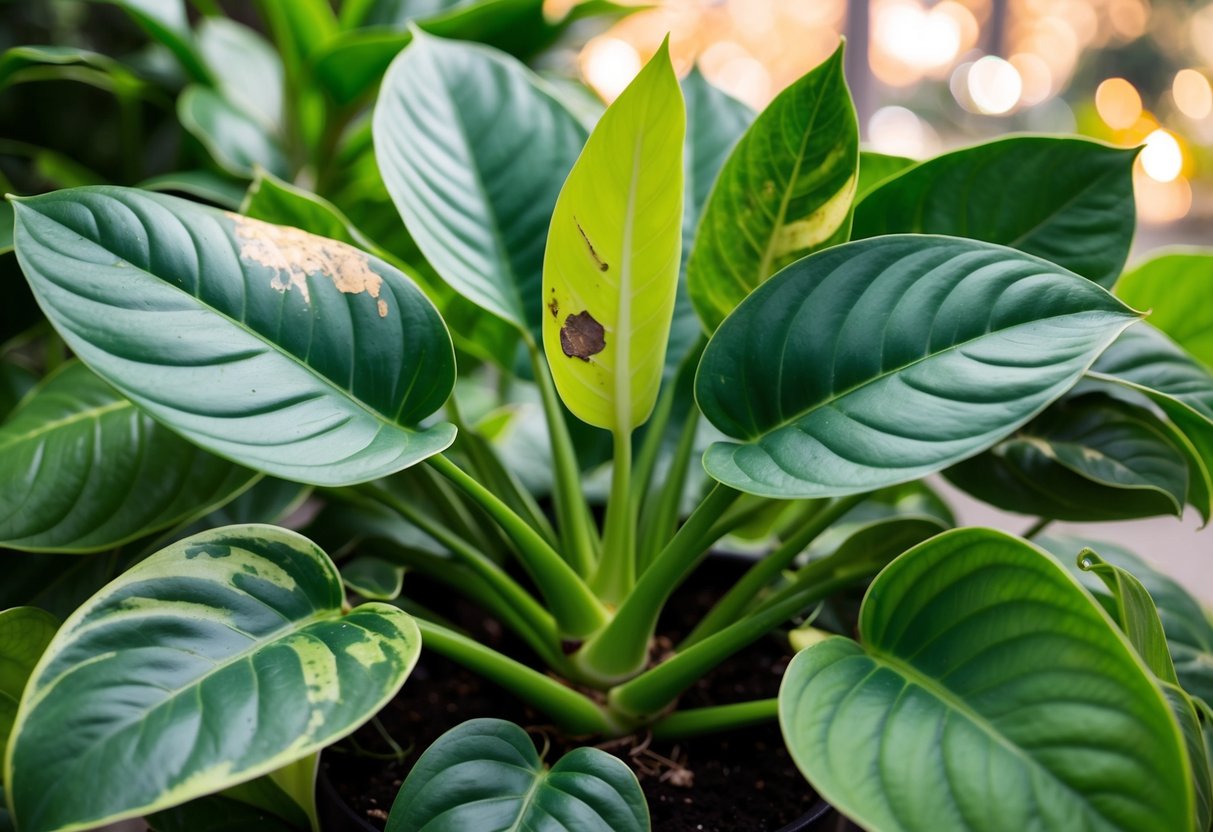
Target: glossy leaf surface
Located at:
point(881, 361)
point(474, 150)
point(1082, 219)
point(373, 578)
point(875, 168)
point(24, 634)
point(247, 70)
point(1175, 288)
point(290, 353)
point(221, 658)
point(485, 775)
point(610, 271)
point(1091, 458)
point(1018, 701)
point(82, 469)
point(785, 191)
point(237, 142)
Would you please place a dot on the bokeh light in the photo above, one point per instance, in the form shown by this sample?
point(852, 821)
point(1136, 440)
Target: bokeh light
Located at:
point(1118, 103)
point(1192, 93)
point(994, 85)
point(1161, 158)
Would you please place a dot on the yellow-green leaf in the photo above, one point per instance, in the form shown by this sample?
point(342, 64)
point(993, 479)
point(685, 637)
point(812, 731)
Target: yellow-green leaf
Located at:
point(611, 266)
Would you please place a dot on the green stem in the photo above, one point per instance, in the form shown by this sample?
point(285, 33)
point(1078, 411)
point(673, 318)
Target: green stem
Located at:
point(650, 446)
point(575, 713)
point(617, 567)
point(578, 537)
point(1037, 527)
point(620, 649)
point(577, 611)
point(655, 690)
point(492, 574)
point(697, 721)
point(759, 576)
point(661, 521)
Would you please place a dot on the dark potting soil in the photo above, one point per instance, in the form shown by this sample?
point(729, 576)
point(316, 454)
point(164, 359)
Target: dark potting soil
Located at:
point(738, 781)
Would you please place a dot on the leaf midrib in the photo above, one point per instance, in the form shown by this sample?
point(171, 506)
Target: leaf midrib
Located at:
point(944, 694)
point(837, 396)
point(91, 413)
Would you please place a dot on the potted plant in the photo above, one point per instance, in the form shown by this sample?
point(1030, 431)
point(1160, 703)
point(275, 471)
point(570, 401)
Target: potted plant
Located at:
point(680, 279)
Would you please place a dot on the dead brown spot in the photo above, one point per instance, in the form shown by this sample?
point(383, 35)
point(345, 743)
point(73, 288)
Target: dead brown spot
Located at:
point(554, 307)
point(582, 336)
point(598, 261)
point(294, 255)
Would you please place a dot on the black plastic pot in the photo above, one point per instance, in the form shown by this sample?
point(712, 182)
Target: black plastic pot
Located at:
point(337, 816)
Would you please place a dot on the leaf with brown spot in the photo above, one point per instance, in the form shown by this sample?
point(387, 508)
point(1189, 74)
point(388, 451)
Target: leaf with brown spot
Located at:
point(582, 336)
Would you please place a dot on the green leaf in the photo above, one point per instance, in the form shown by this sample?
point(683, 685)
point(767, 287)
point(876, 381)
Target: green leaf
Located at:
point(715, 122)
point(6, 227)
point(1175, 288)
point(15, 383)
point(474, 149)
point(610, 271)
point(875, 168)
point(217, 813)
point(6, 819)
point(485, 774)
point(235, 140)
point(1189, 630)
point(1088, 458)
point(24, 634)
point(238, 333)
point(36, 62)
point(1069, 201)
point(1145, 361)
point(166, 22)
point(1186, 714)
point(785, 191)
point(221, 658)
point(82, 469)
point(247, 70)
point(1135, 613)
point(373, 578)
point(214, 188)
point(881, 361)
point(989, 692)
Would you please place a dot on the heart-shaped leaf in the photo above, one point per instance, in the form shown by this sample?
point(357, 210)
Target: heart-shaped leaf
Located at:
point(1082, 220)
point(989, 692)
point(473, 150)
point(1147, 362)
point(82, 469)
point(610, 271)
point(237, 142)
point(785, 191)
point(221, 658)
point(1175, 288)
point(485, 775)
point(881, 361)
point(1090, 458)
point(24, 634)
point(290, 353)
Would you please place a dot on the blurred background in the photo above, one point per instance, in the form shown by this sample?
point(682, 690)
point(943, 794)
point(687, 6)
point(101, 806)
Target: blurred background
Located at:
point(931, 75)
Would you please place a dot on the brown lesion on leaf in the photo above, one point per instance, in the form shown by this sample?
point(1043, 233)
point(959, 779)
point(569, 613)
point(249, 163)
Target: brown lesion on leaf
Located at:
point(582, 336)
point(598, 261)
point(294, 255)
point(554, 307)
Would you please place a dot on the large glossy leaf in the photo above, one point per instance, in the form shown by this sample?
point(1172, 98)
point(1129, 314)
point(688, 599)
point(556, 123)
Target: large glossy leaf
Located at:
point(221, 658)
point(875, 168)
point(166, 21)
point(473, 150)
point(610, 271)
point(292, 354)
point(237, 141)
point(988, 692)
point(485, 775)
point(881, 361)
point(1069, 201)
point(24, 634)
point(715, 121)
point(1175, 288)
point(82, 469)
point(1090, 458)
point(1147, 362)
point(785, 191)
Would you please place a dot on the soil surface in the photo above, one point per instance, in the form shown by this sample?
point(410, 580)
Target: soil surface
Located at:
point(739, 781)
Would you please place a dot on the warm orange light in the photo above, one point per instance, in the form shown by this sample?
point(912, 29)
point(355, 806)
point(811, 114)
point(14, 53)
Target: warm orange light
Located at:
point(1118, 103)
point(900, 132)
point(1036, 75)
point(1161, 202)
point(1192, 93)
point(994, 85)
point(609, 65)
point(1129, 18)
point(1161, 158)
